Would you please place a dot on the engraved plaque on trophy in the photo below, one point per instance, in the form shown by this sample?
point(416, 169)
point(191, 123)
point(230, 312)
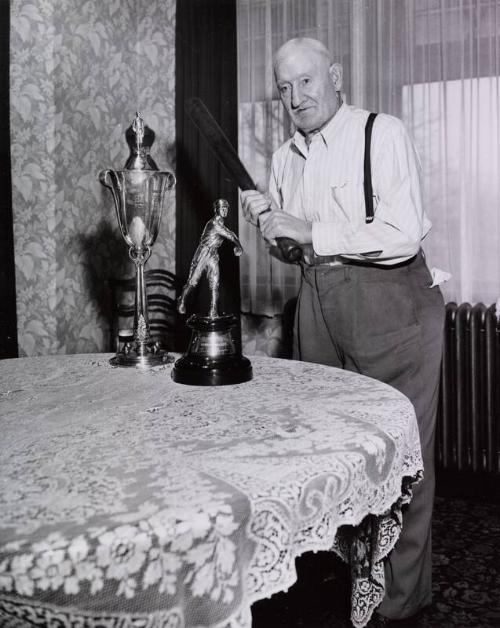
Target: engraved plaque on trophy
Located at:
point(212, 358)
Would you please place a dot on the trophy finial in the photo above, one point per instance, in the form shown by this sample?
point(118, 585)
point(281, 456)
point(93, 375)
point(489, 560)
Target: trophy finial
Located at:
point(140, 138)
point(138, 128)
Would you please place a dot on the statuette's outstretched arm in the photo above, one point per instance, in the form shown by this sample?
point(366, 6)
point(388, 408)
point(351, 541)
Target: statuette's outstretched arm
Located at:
point(206, 257)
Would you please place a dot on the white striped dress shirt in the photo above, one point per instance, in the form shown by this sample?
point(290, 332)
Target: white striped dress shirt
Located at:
point(323, 184)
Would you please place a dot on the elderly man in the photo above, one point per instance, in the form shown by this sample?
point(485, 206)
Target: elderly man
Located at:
point(367, 301)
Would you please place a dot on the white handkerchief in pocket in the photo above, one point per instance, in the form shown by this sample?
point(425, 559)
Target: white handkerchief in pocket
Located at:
point(438, 276)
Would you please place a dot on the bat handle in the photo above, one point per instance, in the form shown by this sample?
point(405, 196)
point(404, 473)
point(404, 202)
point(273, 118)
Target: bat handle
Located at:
point(290, 249)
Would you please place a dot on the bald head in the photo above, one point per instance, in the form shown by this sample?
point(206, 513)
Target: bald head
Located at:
point(308, 82)
point(303, 46)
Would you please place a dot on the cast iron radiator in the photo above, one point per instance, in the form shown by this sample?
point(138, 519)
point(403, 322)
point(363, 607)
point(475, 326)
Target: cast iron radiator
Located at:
point(468, 423)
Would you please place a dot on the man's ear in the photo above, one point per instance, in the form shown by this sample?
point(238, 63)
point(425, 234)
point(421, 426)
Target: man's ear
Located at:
point(335, 71)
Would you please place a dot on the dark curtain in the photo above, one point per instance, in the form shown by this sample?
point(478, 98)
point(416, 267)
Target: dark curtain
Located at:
point(8, 322)
point(206, 68)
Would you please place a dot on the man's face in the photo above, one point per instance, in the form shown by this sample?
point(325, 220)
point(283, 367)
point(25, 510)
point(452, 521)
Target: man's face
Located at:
point(307, 87)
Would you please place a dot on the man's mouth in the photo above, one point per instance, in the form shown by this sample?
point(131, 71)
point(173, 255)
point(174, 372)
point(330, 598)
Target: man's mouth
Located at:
point(303, 110)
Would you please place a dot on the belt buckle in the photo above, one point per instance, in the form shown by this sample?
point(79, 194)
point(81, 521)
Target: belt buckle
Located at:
point(311, 259)
point(327, 260)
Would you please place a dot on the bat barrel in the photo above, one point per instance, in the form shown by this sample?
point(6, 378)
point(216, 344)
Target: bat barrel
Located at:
point(229, 158)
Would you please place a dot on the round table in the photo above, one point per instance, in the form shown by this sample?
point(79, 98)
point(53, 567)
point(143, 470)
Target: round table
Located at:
point(129, 500)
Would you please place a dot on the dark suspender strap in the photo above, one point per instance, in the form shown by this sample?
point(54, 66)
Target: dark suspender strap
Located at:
point(367, 183)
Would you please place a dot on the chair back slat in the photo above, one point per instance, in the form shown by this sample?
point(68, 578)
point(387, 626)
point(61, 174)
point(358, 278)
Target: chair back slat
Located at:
point(160, 291)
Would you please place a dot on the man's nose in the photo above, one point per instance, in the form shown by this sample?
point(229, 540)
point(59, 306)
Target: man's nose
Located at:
point(296, 97)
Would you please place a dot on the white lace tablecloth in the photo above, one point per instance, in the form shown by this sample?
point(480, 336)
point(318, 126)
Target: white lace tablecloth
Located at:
point(129, 500)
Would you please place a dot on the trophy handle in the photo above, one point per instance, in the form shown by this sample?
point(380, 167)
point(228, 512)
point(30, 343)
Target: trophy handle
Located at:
point(103, 178)
point(109, 178)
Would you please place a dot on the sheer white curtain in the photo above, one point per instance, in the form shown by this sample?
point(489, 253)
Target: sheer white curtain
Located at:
point(433, 63)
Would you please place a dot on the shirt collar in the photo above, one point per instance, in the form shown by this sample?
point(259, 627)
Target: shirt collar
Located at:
point(327, 133)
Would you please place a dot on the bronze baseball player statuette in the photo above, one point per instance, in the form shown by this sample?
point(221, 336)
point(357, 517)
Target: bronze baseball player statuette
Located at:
point(206, 257)
point(212, 357)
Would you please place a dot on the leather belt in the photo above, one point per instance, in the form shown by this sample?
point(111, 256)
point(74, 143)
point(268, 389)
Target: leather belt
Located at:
point(311, 259)
point(323, 260)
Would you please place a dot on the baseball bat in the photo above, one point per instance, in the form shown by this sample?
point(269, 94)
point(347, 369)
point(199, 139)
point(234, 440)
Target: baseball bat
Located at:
point(228, 157)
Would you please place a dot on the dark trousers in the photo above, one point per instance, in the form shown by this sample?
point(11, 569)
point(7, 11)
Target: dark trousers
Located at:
point(386, 323)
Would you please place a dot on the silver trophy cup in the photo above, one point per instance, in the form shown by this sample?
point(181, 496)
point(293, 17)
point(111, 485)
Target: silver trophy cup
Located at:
point(139, 193)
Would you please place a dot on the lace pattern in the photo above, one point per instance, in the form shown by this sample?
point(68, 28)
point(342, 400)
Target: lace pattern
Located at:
point(129, 500)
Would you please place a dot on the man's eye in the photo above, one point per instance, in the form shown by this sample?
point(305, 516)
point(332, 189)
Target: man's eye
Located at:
point(305, 81)
point(284, 89)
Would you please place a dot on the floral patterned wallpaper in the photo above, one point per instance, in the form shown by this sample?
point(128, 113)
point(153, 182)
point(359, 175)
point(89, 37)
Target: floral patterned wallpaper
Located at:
point(79, 71)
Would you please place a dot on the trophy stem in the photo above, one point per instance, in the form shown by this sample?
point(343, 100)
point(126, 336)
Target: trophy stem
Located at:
point(141, 323)
point(145, 353)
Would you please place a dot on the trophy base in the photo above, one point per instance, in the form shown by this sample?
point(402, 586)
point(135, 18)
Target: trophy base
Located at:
point(211, 358)
point(148, 361)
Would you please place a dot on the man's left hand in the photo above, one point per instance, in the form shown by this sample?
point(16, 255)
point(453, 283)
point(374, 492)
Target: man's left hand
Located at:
point(279, 224)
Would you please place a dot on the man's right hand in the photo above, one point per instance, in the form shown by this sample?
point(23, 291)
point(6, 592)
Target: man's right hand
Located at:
point(254, 204)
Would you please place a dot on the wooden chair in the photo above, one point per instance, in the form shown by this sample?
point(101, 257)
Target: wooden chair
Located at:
point(160, 292)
